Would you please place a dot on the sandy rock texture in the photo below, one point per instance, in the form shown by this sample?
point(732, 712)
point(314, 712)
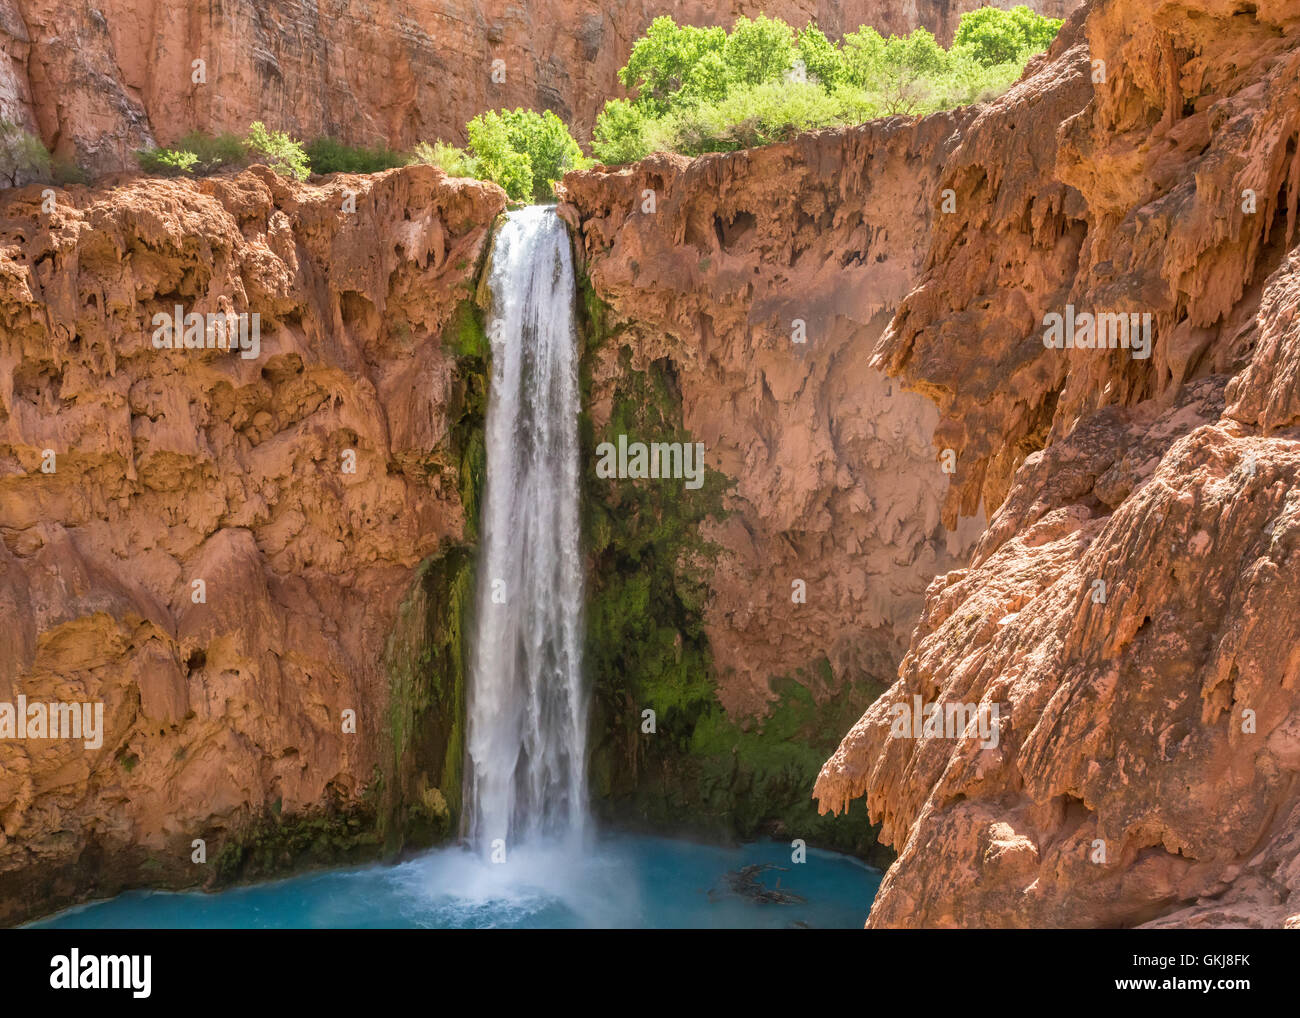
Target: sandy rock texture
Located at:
point(1131, 608)
point(172, 466)
point(101, 80)
point(836, 479)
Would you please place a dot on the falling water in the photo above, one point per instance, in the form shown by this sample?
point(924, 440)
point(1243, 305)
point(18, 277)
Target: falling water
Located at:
point(527, 709)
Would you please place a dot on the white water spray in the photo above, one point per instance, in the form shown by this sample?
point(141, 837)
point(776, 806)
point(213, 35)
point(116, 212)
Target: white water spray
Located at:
point(527, 716)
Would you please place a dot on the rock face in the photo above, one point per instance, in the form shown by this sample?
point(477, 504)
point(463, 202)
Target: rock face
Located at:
point(302, 487)
point(765, 277)
point(101, 81)
point(1131, 606)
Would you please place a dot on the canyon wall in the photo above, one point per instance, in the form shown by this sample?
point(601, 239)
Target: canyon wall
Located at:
point(1131, 608)
point(303, 487)
point(1112, 558)
point(99, 81)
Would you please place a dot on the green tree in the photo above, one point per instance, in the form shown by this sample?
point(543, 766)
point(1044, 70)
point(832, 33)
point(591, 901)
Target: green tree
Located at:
point(708, 80)
point(524, 151)
point(498, 159)
point(619, 135)
point(993, 36)
point(909, 65)
point(822, 59)
point(661, 61)
point(863, 50)
point(694, 94)
point(759, 50)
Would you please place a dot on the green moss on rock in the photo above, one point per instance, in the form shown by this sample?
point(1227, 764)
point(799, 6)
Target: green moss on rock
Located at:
point(274, 844)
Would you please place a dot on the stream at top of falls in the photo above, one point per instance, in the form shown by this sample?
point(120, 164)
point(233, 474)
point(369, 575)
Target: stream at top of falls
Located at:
point(528, 856)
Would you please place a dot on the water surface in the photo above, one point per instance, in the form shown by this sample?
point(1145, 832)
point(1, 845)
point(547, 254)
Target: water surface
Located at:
point(625, 881)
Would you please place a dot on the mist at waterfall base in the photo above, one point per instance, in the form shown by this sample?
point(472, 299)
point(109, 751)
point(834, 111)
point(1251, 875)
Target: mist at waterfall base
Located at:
point(529, 856)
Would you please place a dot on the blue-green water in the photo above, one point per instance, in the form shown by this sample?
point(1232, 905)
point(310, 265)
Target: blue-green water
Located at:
point(625, 881)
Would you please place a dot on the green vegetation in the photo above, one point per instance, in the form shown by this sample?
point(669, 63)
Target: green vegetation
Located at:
point(995, 37)
point(695, 90)
point(271, 844)
point(22, 154)
point(204, 154)
point(420, 787)
point(281, 153)
point(524, 151)
point(25, 159)
point(328, 155)
point(706, 90)
point(167, 162)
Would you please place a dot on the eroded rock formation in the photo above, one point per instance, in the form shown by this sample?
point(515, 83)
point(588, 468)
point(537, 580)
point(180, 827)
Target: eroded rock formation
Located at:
point(127, 473)
point(1131, 606)
point(99, 81)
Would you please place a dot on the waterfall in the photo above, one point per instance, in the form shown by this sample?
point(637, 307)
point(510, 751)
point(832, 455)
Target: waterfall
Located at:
point(527, 713)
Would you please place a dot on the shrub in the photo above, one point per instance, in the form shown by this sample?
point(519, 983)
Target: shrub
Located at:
point(166, 162)
point(765, 113)
point(455, 162)
point(65, 171)
point(619, 135)
point(328, 155)
point(23, 156)
point(203, 154)
point(283, 154)
point(213, 152)
point(524, 151)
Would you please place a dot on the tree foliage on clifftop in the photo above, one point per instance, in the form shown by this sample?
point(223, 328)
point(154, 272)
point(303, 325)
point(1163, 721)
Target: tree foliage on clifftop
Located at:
point(699, 90)
point(524, 151)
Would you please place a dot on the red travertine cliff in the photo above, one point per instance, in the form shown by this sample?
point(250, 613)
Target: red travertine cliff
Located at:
point(99, 81)
point(836, 481)
point(1132, 606)
point(130, 472)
